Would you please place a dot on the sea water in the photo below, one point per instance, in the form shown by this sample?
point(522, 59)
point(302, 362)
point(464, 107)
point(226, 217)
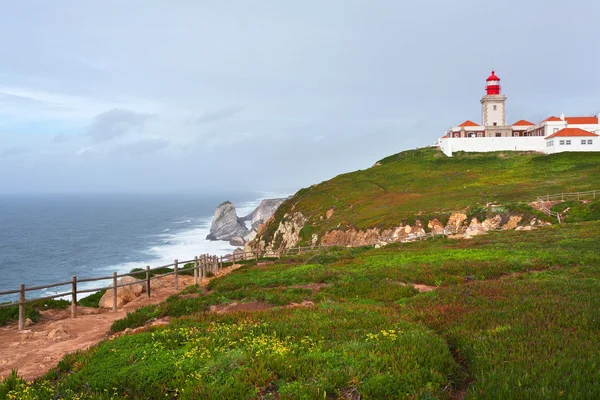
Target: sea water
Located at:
point(47, 239)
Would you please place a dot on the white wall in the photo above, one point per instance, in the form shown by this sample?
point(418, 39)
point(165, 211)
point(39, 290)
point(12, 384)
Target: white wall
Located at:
point(575, 144)
point(485, 144)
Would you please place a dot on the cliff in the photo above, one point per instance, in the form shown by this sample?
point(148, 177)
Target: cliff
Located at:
point(226, 225)
point(263, 212)
point(418, 191)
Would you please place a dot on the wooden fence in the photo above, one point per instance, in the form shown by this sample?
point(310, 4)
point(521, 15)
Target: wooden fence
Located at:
point(542, 200)
point(205, 264)
point(202, 266)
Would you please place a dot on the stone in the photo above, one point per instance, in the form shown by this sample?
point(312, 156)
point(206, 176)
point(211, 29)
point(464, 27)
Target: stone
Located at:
point(124, 294)
point(329, 213)
point(289, 229)
point(58, 334)
point(492, 223)
point(455, 222)
point(28, 322)
point(240, 254)
point(237, 241)
point(513, 222)
point(475, 228)
point(225, 224)
point(436, 226)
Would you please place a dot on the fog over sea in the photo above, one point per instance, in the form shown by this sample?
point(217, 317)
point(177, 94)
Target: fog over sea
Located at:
point(46, 239)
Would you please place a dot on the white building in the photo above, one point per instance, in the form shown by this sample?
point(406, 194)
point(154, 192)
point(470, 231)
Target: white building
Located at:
point(552, 135)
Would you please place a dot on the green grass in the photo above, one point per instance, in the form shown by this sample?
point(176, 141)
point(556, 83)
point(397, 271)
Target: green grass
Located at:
point(515, 315)
point(424, 184)
point(92, 300)
point(32, 310)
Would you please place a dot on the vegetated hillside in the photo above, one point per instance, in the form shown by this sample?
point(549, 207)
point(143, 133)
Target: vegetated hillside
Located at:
point(426, 183)
point(511, 314)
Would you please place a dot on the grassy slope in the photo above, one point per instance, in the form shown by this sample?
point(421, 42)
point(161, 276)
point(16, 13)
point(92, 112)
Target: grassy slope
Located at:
point(509, 335)
point(425, 180)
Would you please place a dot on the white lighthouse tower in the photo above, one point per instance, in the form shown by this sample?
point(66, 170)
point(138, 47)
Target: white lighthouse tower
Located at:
point(493, 115)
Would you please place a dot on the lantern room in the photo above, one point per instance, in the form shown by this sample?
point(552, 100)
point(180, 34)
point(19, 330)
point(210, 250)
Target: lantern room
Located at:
point(493, 84)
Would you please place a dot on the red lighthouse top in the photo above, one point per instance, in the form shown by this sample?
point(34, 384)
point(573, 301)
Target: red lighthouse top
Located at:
point(493, 84)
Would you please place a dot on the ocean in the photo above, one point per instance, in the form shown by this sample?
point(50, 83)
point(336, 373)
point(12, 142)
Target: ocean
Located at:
point(46, 239)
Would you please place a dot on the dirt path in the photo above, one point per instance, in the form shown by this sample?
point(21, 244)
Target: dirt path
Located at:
point(37, 349)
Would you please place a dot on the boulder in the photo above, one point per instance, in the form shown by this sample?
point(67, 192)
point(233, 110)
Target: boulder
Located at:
point(58, 334)
point(237, 241)
point(455, 222)
point(475, 228)
point(436, 226)
point(124, 294)
point(513, 222)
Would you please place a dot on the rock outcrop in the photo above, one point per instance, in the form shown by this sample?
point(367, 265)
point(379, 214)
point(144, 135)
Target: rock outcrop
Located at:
point(124, 294)
point(263, 212)
point(459, 225)
point(225, 223)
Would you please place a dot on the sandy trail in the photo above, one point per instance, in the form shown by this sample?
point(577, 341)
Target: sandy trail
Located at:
point(37, 349)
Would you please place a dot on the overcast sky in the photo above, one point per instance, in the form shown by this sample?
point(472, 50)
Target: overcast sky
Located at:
point(188, 96)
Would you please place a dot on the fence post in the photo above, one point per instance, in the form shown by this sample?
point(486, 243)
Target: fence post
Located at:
point(215, 261)
point(73, 296)
point(256, 255)
point(195, 270)
point(114, 291)
point(562, 197)
point(202, 268)
point(221, 262)
point(22, 307)
point(233, 259)
point(175, 277)
point(148, 280)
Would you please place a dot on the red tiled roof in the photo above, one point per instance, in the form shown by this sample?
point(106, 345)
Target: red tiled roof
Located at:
point(552, 118)
point(468, 123)
point(571, 132)
point(522, 122)
point(581, 120)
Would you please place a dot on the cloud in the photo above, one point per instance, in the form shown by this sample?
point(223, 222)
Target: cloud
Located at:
point(13, 151)
point(61, 138)
point(141, 147)
point(116, 122)
point(221, 114)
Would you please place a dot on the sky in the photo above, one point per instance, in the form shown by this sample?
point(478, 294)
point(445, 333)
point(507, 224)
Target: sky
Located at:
point(193, 96)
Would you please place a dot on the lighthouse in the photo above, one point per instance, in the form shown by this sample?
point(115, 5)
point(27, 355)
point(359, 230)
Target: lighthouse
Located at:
point(493, 115)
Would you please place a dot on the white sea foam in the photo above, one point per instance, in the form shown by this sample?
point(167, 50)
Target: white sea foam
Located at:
point(182, 245)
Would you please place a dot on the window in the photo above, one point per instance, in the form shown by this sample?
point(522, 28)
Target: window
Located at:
point(583, 141)
point(589, 141)
point(495, 123)
point(495, 107)
point(568, 142)
point(562, 142)
point(498, 134)
point(470, 134)
point(478, 134)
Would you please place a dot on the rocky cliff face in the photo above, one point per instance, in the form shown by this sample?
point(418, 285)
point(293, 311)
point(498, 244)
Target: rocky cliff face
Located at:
point(263, 212)
point(225, 223)
point(458, 225)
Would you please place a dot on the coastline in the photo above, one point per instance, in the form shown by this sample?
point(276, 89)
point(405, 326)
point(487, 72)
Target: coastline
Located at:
point(183, 240)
